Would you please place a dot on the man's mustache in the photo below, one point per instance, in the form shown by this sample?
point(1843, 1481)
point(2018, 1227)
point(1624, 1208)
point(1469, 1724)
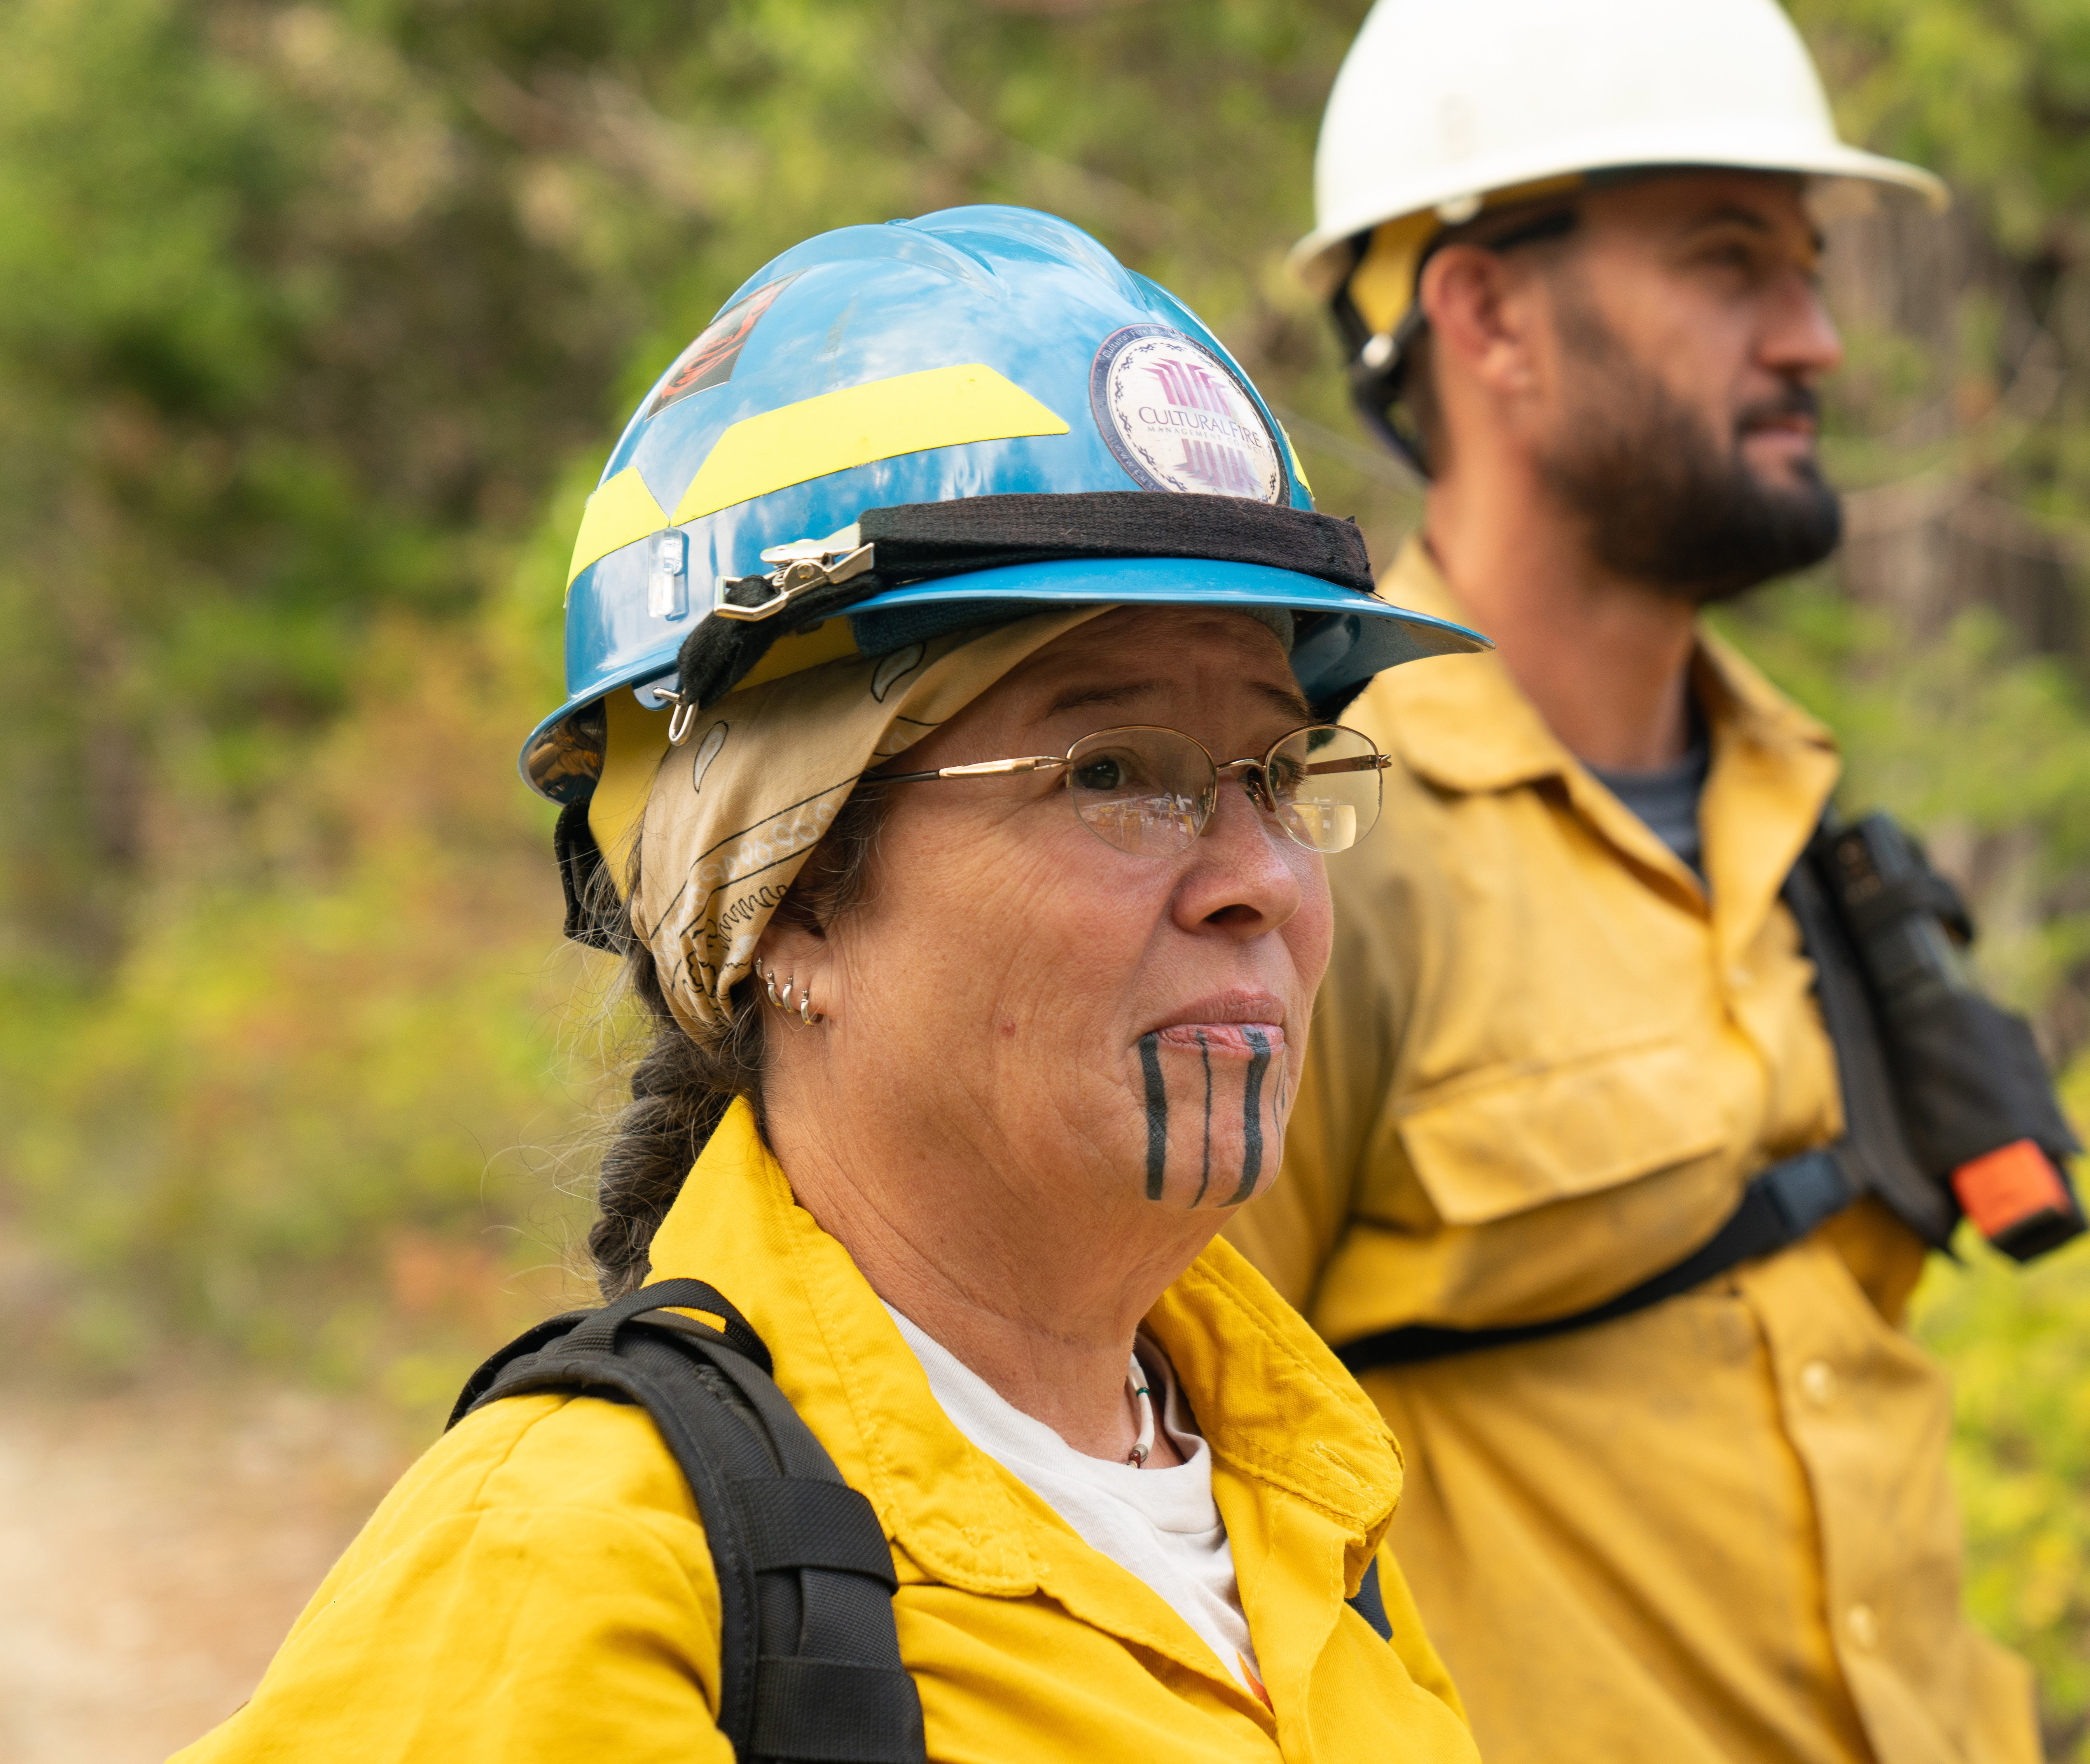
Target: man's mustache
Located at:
point(1794, 399)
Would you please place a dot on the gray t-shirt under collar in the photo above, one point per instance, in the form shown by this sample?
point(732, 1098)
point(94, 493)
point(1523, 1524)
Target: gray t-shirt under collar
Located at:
point(1666, 798)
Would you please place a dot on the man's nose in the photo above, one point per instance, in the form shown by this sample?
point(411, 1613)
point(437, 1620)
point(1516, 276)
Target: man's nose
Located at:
point(1800, 337)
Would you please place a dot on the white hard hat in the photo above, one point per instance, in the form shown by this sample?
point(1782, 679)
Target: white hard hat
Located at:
point(1440, 103)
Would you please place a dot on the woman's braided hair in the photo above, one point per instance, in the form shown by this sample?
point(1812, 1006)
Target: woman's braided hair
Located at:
point(681, 1090)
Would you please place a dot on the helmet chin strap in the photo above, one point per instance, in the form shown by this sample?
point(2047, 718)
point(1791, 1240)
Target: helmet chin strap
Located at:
point(1378, 359)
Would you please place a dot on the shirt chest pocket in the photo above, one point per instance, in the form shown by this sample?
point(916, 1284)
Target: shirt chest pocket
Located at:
point(1503, 1142)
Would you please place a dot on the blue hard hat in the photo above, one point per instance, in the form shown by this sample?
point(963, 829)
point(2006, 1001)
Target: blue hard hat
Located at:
point(981, 352)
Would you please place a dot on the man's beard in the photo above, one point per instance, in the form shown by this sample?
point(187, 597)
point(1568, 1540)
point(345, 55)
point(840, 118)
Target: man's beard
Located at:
point(1665, 503)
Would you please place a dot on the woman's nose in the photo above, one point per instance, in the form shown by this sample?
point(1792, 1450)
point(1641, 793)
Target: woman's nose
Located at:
point(1243, 870)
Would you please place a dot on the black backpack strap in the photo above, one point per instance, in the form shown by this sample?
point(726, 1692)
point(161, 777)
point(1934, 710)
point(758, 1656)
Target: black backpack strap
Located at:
point(809, 1655)
point(1784, 1202)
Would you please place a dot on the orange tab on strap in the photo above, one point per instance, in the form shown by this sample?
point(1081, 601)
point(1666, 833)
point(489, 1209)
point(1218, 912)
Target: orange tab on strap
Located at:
point(2005, 1187)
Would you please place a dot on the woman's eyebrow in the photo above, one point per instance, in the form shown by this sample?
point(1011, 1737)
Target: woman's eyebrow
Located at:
point(1287, 700)
point(1077, 698)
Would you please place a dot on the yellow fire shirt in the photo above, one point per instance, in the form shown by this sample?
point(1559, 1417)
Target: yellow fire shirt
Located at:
point(538, 1589)
point(1545, 1063)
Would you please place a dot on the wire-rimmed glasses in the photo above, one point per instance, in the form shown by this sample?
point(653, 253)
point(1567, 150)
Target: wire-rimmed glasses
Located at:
point(1150, 790)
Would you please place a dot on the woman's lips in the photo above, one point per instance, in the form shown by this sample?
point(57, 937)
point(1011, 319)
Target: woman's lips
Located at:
point(1249, 1023)
point(1249, 1041)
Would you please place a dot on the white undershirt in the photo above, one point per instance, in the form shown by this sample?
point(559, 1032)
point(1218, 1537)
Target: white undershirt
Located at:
point(1161, 1524)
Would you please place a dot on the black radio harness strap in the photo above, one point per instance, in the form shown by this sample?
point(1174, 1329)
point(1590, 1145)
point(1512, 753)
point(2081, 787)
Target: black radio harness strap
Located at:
point(1783, 1204)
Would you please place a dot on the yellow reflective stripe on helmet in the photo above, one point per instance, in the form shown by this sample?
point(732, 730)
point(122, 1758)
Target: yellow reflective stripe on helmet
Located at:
point(940, 407)
point(620, 511)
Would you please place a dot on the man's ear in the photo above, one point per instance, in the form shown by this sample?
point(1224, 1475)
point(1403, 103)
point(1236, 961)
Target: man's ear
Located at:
point(1482, 319)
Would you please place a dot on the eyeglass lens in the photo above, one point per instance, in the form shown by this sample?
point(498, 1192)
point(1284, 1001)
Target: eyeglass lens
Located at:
point(1150, 791)
point(1326, 786)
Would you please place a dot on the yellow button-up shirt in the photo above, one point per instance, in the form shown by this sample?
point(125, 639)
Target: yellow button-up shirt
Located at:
point(538, 1589)
point(1545, 1063)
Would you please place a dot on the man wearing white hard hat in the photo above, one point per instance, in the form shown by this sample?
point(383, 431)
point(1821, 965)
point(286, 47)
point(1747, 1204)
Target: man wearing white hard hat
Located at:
point(1578, 1185)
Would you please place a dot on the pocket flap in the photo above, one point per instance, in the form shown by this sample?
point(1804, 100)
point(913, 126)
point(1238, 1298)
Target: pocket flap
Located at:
point(1497, 1144)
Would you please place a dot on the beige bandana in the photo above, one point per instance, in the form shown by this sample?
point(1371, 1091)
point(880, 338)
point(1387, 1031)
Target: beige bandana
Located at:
point(735, 811)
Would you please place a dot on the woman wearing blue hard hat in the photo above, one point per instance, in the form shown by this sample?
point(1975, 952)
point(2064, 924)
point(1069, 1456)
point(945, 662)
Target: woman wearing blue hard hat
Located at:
point(953, 651)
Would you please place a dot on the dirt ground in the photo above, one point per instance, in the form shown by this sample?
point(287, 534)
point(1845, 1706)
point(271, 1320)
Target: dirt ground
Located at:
point(154, 1549)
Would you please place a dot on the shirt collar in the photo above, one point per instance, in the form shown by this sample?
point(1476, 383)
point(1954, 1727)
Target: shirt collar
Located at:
point(1459, 721)
point(1463, 724)
point(1270, 1398)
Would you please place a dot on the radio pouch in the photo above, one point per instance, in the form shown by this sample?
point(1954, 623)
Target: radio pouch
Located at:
point(1947, 1106)
point(1975, 1104)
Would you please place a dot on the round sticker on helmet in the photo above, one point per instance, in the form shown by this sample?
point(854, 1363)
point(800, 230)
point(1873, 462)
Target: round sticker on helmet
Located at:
point(1178, 419)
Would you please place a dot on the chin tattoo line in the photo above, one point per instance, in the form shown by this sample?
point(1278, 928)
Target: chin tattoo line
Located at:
point(1251, 1115)
point(1157, 1112)
point(1258, 1081)
point(1205, 1175)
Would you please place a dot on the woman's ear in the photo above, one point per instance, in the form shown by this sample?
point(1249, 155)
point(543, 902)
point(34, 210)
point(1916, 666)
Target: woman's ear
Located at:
point(797, 945)
point(794, 966)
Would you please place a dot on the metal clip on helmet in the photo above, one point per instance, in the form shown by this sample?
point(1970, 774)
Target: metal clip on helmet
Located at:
point(892, 432)
point(1442, 111)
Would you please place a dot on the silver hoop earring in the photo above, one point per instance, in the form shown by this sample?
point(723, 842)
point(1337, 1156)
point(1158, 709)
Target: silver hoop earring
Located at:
point(802, 1010)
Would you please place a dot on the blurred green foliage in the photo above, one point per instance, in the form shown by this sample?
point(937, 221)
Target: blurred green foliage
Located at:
point(316, 323)
point(2013, 1338)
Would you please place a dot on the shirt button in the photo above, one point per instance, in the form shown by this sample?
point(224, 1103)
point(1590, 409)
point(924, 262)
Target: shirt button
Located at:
point(1817, 1383)
point(1863, 1624)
